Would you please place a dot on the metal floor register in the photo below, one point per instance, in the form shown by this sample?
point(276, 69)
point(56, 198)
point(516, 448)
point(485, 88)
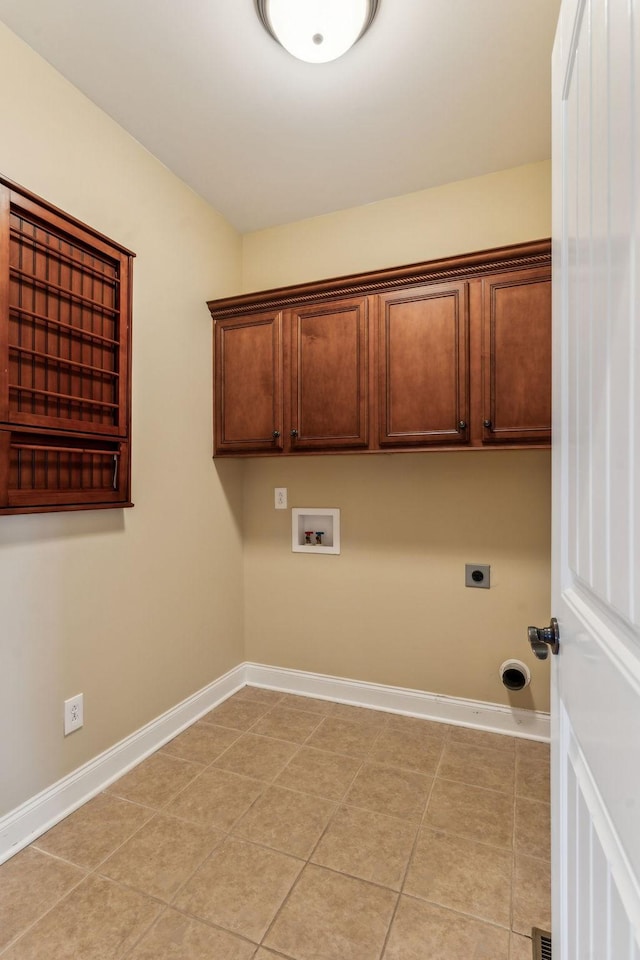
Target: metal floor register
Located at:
point(541, 944)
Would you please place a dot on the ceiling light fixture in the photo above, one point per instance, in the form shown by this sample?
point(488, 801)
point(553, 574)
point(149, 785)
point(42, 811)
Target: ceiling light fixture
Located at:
point(317, 30)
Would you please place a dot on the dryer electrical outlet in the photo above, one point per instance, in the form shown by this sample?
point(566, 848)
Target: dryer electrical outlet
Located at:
point(477, 575)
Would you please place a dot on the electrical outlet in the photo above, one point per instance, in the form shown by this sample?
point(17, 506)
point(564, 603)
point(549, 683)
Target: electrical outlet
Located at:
point(477, 575)
point(73, 713)
point(281, 498)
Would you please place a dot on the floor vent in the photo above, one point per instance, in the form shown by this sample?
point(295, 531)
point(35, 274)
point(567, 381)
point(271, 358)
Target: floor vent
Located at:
point(541, 944)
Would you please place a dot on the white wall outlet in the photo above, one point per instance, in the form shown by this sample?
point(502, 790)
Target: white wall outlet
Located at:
point(281, 498)
point(73, 713)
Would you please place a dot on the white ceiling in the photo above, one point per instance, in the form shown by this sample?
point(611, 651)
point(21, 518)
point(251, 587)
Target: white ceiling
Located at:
point(436, 91)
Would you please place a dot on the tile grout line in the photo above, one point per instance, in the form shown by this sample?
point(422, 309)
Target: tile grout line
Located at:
point(146, 931)
point(513, 856)
point(34, 923)
point(205, 922)
point(413, 847)
point(271, 782)
point(460, 913)
point(315, 847)
point(449, 909)
point(94, 871)
point(228, 833)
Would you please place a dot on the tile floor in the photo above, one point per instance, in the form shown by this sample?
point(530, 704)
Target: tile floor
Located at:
point(286, 827)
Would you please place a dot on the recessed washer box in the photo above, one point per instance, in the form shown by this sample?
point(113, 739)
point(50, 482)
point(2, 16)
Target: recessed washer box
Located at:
point(315, 530)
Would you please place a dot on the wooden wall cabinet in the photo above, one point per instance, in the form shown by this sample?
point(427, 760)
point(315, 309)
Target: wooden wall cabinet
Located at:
point(453, 354)
point(65, 360)
point(516, 357)
point(423, 366)
point(293, 380)
point(328, 382)
point(248, 379)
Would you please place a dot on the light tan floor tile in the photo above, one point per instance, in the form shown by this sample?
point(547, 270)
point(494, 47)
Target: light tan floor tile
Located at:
point(260, 694)
point(533, 828)
point(176, 937)
point(309, 704)
point(421, 931)
point(213, 778)
point(532, 779)
point(471, 812)
point(332, 917)
point(155, 781)
point(521, 948)
point(533, 749)
point(286, 820)
point(343, 736)
point(95, 830)
point(531, 895)
point(31, 883)
point(286, 724)
point(264, 954)
point(417, 727)
point(260, 757)
point(480, 738)
point(201, 743)
point(390, 790)
point(237, 714)
point(240, 887)
point(413, 751)
point(479, 766)
point(362, 715)
point(161, 856)
point(367, 845)
point(462, 875)
point(216, 799)
point(319, 773)
point(97, 921)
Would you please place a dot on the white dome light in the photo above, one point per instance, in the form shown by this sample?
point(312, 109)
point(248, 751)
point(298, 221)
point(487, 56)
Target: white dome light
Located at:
point(316, 30)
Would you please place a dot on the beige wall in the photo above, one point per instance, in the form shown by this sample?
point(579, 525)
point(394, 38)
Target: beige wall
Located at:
point(477, 214)
point(392, 607)
point(136, 608)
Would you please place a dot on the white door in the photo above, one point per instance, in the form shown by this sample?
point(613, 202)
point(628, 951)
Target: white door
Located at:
point(596, 553)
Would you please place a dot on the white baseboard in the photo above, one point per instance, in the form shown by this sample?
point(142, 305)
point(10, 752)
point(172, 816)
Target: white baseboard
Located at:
point(493, 717)
point(30, 820)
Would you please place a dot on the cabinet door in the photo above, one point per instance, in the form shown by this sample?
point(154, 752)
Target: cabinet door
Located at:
point(248, 384)
point(329, 375)
point(516, 357)
point(424, 366)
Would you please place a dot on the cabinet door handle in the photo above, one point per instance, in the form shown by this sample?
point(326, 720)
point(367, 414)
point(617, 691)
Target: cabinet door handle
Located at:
point(487, 424)
point(275, 434)
point(294, 434)
point(462, 425)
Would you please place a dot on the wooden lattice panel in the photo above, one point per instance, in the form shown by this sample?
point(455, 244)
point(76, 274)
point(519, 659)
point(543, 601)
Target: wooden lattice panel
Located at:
point(66, 342)
point(45, 470)
point(64, 356)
